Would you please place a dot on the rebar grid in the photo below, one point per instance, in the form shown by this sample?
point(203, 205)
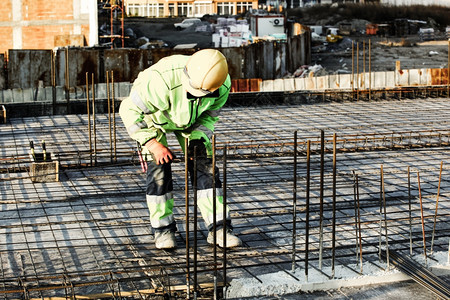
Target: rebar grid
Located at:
point(89, 234)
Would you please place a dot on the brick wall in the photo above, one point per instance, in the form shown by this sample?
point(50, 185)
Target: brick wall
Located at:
point(35, 24)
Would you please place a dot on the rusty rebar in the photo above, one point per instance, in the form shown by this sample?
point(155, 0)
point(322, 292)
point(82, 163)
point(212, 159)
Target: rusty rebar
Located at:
point(385, 217)
point(93, 120)
point(224, 218)
point(114, 116)
point(333, 230)
point(356, 213)
point(195, 250)
point(294, 200)
point(308, 181)
point(186, 195)
point(322, 171)
point(89, 117)
point(108, 95)
point(437, 206)
point(359, 224)
point(422, 218)
point(214, 213)
point(409, 207)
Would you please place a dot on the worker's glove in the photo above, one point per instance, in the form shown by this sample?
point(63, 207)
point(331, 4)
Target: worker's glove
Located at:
point(201, 149)
point(160, 153)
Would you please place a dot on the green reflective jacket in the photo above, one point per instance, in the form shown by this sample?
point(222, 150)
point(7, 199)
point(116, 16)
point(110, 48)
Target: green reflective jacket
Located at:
point(158, 104)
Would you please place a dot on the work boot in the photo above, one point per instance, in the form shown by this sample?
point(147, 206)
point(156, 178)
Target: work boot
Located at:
point(165, 240)
point(232, 240)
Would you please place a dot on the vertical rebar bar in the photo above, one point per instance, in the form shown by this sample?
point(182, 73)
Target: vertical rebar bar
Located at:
point(359, 224)
point(370, 71)
point(448, 69)
point(108, 95)
point(436, 211)
point(214, 213)
point(385, 218)
point(53, 75)
point(364, 65)
point(294, 200)
point(409, 207)
point(381, 214)
point(353, 70)
point(322, 171)
point(93, 120)
point(67, 80)
point(114, 115)
point(186, 207)
point(194, 188)
point(308, 179)
point(357, 71)
point(224, 195)
point(422, 219)
point(88, 104)
point(356, 214)
point(333, 230)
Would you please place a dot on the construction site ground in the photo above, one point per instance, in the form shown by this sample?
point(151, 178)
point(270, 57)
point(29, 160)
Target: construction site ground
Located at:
point(89, 233)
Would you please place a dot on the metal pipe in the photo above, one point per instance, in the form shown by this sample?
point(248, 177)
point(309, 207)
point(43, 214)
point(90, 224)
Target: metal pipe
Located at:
point(409, 206)
point(195, 220)
point(214, 213)
point(308, 181)
point(385, 218)
point(322, 163)
point(93, 120)
point(224, 193)
point(333, 231)
point(422, 219)
point(186, 206)
point(89, 117)
point(436, 211)
point(294, 200)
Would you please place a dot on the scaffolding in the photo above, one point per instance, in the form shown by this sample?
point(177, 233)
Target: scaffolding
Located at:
point(115, 7)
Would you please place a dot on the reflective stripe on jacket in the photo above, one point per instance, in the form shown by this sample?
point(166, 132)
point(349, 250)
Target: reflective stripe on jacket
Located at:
point(158, 104)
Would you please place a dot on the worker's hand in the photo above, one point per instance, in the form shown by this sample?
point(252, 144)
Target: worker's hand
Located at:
point(160, 153)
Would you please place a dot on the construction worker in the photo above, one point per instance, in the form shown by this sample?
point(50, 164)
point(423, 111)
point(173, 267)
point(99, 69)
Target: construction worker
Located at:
point(179, 94)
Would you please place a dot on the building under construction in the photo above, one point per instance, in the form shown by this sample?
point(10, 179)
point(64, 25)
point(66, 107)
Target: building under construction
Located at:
point(332, 181)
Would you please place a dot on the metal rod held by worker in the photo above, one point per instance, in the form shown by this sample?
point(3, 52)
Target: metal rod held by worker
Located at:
point(333, 230)
point(436, 210)
point(322, 163)
point(308, 181)
point(195, 221)
point(294, 200)
point(186, 194)
point(422, 219)
point(214, 213)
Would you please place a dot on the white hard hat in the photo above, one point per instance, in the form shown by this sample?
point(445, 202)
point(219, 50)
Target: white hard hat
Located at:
point(205, 71)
